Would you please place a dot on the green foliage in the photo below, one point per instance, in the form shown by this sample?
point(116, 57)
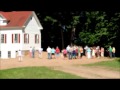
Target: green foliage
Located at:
point(48, 18)
point(88, 38)
point(75, 21)
point(97, 27)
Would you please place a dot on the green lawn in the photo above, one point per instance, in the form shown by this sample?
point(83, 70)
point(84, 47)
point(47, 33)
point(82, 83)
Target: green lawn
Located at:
point(114, 64)
point(35, 73)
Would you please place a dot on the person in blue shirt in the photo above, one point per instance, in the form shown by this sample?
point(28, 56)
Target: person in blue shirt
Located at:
point(53, 53)
point(89, 53)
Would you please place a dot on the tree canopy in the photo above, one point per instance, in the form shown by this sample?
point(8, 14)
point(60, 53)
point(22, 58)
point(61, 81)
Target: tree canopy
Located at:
point(90, 28)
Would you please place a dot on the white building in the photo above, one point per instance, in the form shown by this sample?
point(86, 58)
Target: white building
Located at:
point(18, 30)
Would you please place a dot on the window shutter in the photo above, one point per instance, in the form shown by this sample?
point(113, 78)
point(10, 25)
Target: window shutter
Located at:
point(12, 38)
point(5, 37)
point(19, 37)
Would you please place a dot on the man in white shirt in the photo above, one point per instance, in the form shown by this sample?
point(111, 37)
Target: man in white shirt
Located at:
point(49, 52)
point(68, 51)
point(68, 48)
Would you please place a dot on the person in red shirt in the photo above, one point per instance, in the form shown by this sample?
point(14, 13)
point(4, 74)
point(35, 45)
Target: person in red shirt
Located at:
point(57, 52)
point(64, 53)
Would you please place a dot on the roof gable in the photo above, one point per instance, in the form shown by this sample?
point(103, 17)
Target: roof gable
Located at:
point(16, 18)
point(37, 20)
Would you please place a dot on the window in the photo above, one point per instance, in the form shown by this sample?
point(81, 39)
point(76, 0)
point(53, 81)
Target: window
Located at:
point(0, 54)
point(3, 38)
point(4, 21)
point(36, 38)
point(26, 38)
point(9, 54)
point(15, 38)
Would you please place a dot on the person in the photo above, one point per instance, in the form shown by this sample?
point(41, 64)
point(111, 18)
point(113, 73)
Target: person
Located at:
point(74, 53)
point(20, 55)
point(113, 51)
point(70, 53)
point(57, 52)
point(98, 51)
point(110, 51)
point(49, 52)
point(64, 51)
point(30, 52)
point(89, 53)
point(93, 52)
point(53, 53)
point(81, 51)
point(85, 48)
point(68, 49)
point(40, 52)
point(33, 52)
point(102, 52)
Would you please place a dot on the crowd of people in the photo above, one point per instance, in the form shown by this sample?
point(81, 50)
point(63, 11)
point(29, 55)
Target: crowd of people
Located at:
point(77, 52)
point(71, 52)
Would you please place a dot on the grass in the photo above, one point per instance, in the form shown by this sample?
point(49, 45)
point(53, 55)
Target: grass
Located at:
point(114, 64)
point(35, 73)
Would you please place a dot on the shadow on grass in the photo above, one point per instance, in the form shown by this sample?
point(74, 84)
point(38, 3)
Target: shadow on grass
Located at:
point(119, 60)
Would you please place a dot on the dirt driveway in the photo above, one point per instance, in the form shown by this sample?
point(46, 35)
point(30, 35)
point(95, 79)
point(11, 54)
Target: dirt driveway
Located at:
point(69, 66)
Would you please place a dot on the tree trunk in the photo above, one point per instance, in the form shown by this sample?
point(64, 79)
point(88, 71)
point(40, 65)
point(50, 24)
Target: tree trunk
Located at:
point(72, 36)
point(62, 39)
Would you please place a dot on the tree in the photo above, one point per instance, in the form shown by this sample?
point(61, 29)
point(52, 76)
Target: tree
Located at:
point(91, 28)
point(98, 28)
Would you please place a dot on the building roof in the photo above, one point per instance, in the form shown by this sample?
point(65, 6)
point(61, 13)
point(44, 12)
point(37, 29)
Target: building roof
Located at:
point(16, 18)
